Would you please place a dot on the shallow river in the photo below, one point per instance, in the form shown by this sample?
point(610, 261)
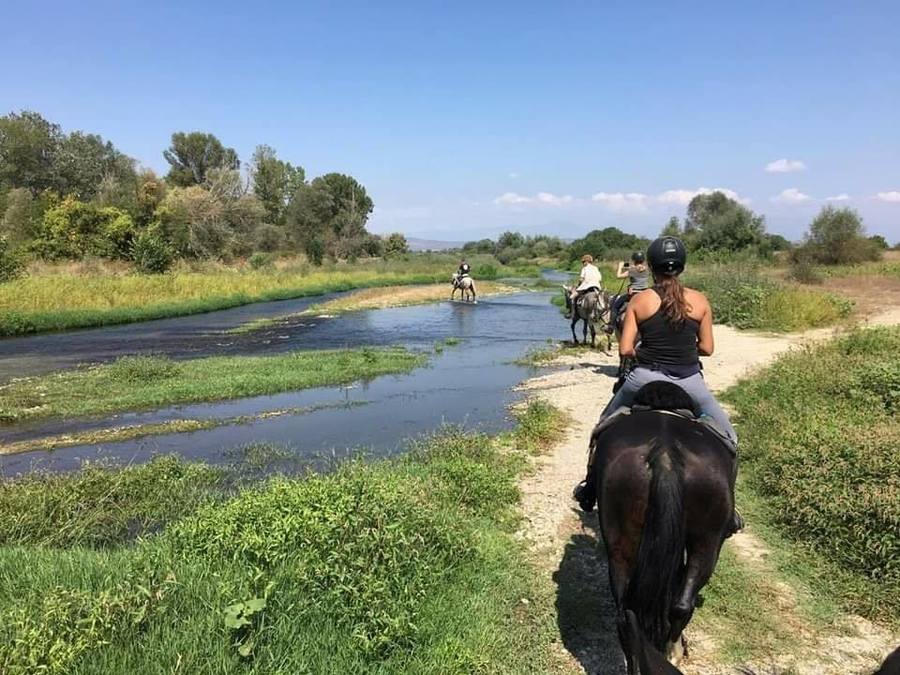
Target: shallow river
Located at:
point(468, 384)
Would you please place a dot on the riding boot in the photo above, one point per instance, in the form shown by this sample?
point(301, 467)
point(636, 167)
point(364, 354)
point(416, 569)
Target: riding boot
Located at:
point(585, 492)
point(737, 520)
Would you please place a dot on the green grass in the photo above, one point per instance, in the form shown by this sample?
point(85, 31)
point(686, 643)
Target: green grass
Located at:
point(820, 438)
point(55, 298)
point(401, 566)
point(145, 382)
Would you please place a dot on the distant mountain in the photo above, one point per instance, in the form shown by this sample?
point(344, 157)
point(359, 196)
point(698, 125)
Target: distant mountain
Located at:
point(432, 244)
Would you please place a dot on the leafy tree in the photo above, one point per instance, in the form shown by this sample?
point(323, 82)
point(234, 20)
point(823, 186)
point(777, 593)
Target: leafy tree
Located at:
point(396, 244)
point(837, 236)
point(269, 238)
point(29, 145)
point(672, 228)
point(84, 161)
point(192, 155)
point(74, 229)
point(605, 242)
point(715, 222)
point(274, 182)
point(777, 243)
point(332, 210)
point(510, 240)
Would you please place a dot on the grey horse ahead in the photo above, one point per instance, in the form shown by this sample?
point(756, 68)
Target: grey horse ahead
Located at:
point(590, 309)
point(465, 285)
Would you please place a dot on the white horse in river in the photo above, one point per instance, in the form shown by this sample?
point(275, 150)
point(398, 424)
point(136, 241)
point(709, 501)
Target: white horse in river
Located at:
point(465, 285)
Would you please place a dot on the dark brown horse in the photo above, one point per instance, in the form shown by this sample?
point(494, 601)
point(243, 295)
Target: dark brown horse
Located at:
point(665, 488)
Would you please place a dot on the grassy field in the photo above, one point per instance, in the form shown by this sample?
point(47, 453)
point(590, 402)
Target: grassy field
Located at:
point(821, 434)
point(56, 297)
point(399, 566)
point(145, 382)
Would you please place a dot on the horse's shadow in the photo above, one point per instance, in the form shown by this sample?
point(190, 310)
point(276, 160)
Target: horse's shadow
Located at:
point(585, 609)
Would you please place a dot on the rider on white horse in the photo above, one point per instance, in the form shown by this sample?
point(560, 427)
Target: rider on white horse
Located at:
point(589, 279)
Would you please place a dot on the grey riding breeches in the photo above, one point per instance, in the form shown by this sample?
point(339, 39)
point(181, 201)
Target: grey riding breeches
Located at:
point(694, 386)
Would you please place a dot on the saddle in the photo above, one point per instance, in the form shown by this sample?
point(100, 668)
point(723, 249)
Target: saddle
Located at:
point(662, 398)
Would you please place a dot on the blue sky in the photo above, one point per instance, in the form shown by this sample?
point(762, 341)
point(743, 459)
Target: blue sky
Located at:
point(463, 119)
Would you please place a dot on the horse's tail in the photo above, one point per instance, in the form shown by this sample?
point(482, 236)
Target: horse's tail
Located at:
point(660, 559)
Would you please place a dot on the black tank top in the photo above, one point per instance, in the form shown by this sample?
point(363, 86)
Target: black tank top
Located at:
point(667, 348)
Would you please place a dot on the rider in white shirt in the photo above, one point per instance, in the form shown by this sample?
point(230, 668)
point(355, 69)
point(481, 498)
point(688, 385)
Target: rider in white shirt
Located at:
point(589, 278)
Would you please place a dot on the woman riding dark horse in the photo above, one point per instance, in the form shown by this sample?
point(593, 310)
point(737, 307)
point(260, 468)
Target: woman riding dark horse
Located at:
point(663, 460)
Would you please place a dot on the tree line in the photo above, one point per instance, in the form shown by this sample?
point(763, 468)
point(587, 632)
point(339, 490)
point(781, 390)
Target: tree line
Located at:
point(73, 195)
point(715, 227)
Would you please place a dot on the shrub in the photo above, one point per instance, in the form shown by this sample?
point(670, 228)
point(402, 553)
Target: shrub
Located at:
point(151, 254)
point(836, 237)
point(805, 272)
point(259, 261)
point(486, 272)
point(73, 230)
point(11, 263)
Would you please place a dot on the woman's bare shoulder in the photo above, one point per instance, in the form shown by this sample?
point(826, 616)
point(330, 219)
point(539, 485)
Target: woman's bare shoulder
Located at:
point(696, 299)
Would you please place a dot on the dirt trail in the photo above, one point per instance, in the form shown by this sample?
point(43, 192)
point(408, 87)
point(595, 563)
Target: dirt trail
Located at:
point(563, 540)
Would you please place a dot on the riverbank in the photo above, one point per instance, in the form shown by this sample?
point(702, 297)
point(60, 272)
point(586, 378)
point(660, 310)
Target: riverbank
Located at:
point(409, 565)
point(60, 297)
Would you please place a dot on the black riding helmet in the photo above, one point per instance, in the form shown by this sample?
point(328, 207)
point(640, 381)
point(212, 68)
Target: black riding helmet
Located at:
point(667, 256)
point(637, 257)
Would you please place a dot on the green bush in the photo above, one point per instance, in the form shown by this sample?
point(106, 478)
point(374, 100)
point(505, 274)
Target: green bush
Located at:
point(74, 229)
point(11, 263)
point(819, 436)
point(260, 260)
point(151, 254)
point(486, 272)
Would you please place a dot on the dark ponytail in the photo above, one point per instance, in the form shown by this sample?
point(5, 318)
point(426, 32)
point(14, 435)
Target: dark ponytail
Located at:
point(674, 306)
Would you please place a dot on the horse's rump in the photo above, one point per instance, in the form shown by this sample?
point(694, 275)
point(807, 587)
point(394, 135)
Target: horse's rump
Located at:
point(665, 488)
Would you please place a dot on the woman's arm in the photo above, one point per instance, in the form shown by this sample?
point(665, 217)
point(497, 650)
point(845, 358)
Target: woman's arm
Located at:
point(621, 271)
point(629, 332)
point(705, 342)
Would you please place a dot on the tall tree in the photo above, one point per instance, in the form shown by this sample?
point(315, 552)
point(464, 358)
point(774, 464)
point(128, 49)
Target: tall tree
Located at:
point(274, 182)
point(29, 146)
point(716, 222)
point(192, 155)
point(85, 161)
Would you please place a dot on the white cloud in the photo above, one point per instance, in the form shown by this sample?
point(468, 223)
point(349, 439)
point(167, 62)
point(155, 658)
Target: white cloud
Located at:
point(785, 166)
point(843, 197)
point(791, 196)
point(540, 199)
point(684, 197)
point(553, 200)
point(892, 196)
point(512, 198)
point(622, 201)
point(513, 174)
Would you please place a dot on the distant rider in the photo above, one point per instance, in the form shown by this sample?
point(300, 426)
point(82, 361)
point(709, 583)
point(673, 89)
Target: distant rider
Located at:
point(463, 270)
point(675, 324)
point(638, 275)
point(589, 279)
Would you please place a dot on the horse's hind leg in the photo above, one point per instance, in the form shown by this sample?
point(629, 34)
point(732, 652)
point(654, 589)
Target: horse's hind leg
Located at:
point(702, 555)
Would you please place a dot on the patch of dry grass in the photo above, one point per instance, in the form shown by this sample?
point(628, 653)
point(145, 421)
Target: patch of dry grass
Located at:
point(401, 296)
